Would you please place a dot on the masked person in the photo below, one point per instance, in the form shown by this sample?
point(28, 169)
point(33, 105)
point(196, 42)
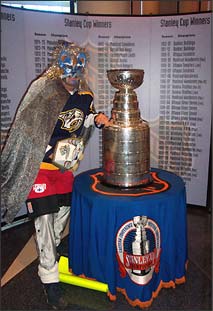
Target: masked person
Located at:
point(57, 105)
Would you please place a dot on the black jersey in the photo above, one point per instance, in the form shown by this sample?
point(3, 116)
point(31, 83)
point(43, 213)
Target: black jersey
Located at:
point(77, 115)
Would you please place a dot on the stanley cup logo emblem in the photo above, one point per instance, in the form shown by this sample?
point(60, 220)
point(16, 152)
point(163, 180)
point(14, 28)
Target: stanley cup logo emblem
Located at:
point(126, 143)
point(140, 245)
point(138, 249)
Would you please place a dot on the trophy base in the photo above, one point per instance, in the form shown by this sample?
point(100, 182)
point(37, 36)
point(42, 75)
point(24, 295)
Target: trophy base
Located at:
point(123, 187)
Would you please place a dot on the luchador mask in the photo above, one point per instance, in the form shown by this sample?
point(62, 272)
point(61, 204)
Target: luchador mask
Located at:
point(72, 62)
point(68, 60)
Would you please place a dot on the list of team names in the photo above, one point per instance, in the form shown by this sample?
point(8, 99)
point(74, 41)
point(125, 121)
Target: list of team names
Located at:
point(5, 100)
point(180, 102)
point(112, 55)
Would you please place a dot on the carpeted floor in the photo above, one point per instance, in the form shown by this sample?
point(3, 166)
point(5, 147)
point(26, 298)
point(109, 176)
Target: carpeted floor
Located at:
point(24, 291)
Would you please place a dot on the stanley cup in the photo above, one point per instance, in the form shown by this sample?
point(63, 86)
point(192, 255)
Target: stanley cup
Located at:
point(126, 142)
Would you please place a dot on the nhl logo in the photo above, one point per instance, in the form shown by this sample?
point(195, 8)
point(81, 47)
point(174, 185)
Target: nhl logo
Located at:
point(39, 188)
point(138, 249)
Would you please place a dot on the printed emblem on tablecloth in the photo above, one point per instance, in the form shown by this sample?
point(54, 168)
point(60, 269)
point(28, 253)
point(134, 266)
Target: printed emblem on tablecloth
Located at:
point(138, 249)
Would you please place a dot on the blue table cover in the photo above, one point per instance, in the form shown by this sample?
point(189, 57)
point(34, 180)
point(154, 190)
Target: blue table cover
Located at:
point(137, 244)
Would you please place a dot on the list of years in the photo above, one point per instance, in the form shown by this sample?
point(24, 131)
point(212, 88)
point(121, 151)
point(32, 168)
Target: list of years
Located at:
point(43, 54)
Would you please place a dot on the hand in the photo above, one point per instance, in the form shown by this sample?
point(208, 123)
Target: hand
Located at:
point(102, 119)
point(51, 156)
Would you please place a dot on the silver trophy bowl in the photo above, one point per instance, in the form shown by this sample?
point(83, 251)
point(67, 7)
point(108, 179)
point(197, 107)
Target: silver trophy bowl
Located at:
point(126, 142)
point(125, 79)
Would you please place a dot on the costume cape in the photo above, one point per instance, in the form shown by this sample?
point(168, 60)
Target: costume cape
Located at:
point(26, 145)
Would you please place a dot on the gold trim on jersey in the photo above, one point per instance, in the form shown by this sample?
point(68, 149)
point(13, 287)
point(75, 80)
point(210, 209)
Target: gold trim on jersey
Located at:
point(48, 166)
point(85, 92)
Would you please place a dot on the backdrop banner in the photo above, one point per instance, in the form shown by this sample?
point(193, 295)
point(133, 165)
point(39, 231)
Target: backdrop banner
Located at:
point(175, 97)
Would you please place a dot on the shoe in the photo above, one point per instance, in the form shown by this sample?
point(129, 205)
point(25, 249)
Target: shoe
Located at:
point(54, 295)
